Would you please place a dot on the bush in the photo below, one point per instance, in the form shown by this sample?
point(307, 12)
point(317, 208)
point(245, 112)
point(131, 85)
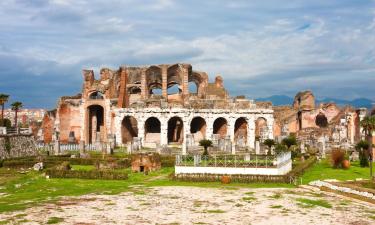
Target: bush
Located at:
point(205, 143)
point(337, 157)
point(279, 148)
point(300, 169)
point(168, 161)
point(90, 174)
point(64, 166)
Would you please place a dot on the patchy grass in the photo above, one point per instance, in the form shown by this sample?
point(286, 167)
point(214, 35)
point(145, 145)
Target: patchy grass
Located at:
point(21, 191)
point(276, 196)
point(248, 199)
point(323, 170)
point(83, 167)
point(54, 220)
point(276, 206)
point(310, 203)
point(215, 211)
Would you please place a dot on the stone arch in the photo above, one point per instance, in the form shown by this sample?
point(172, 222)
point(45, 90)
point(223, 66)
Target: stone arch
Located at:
point(175, 130)
point(197, 83)
point(152, 130)
point(129, 129)
point(198, 127)
point(220, 127)
point(95, 123)
point(154, 80)
point(260, 128)
point(96, 95)
point(174, 82)
point(321, 120)
point(240, 131)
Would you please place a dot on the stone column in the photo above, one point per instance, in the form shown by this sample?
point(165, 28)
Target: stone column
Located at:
point(163, 132)
point(270, 128)
point(209, 128)
point(141, 130)
point(164, 76)
point(185, 82)
point(57, 147)
point(144, 89)
point(251, 133)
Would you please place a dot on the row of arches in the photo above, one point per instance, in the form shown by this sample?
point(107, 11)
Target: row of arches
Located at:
point(198, 129)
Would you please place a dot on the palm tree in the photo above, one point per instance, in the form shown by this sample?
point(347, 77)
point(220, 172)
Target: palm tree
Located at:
point(3, 100)
point(16, 106)
point(362, 147)
point(205, 143)
point(269, 143)
point(368, 125)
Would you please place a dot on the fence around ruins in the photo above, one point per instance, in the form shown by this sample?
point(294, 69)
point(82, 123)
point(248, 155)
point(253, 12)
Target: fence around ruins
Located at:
point(70, 147)
point(234, 164)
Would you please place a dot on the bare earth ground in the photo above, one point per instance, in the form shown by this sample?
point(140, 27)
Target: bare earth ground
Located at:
point(192, 205)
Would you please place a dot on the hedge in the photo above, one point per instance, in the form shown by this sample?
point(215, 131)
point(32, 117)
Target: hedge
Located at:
point(91, 174)
point(167, 161)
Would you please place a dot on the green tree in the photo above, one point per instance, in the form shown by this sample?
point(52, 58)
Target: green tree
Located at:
point(289, 141)
point(205, 143)
point(269, 143)
point(16, 106)
point(362, 147)
point(3, 99)
point(368, 125)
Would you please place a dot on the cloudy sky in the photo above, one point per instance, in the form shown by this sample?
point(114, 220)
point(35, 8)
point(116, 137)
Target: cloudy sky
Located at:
point(260, 47)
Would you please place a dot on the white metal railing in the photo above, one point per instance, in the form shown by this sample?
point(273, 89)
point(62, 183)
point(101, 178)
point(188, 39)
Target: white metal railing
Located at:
point(243, 161)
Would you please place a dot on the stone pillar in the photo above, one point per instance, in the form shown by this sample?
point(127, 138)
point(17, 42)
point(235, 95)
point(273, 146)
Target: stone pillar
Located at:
point(257, 147)
point(185, 82)
point(56, 148)
point(163, 132)
point(164, 83)
point(270, 128)
point(141, 131)
point(362, 114)
point(144, 89)
point(82, 146)
point(251, 133)
point(123, 100)
point(230, 130)
point(209, 129)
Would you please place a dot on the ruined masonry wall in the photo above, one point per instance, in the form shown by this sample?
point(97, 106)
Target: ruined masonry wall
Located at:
point(12, 146)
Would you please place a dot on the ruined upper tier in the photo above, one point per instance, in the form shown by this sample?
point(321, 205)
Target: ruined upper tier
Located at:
point(159, 86)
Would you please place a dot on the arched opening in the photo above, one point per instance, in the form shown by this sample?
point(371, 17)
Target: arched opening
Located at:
point(175, 130)
point(95, 123)
point(152, 130)
point(240, 131)
point(173, 89)
point(96, 95)
point(261, 128)
point(193, 88)
point(220, 127)
point(198, 128)
point(135, 90)
point(321, 120)
point(154, 81)
point(155, 89)
point(129, 129)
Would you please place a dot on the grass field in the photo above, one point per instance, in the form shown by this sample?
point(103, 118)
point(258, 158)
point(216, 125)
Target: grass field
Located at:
point(22, 190)
point(323, 170)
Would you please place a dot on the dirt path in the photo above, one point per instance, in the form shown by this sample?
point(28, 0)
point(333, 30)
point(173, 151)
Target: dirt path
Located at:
point(191, 205)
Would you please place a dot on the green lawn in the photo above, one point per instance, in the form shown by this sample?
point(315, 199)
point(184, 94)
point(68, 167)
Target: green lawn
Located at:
point(323, 170)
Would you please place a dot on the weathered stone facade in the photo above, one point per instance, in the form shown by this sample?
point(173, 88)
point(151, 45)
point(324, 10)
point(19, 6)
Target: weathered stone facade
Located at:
point(159, 105)
point(17, 145)
point(319, 125)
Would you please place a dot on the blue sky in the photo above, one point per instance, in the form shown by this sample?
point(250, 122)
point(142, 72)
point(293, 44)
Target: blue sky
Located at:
point(260, 47)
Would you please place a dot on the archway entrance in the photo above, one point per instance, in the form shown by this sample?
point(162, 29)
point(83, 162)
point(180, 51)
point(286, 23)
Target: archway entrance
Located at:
point(175, 130)
point(95, 123)
point(321, 120)
point(240, 131)
point(152, 130)
point(198, 128)
point(129, 129)
point(220, 127)
point(261, 128)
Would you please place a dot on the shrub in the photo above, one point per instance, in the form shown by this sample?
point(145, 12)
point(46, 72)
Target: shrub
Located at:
point(64, 166)
point(88, 174)
point(337, 157)
point(205, 143)
point(168, 161)
point(279, 148)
